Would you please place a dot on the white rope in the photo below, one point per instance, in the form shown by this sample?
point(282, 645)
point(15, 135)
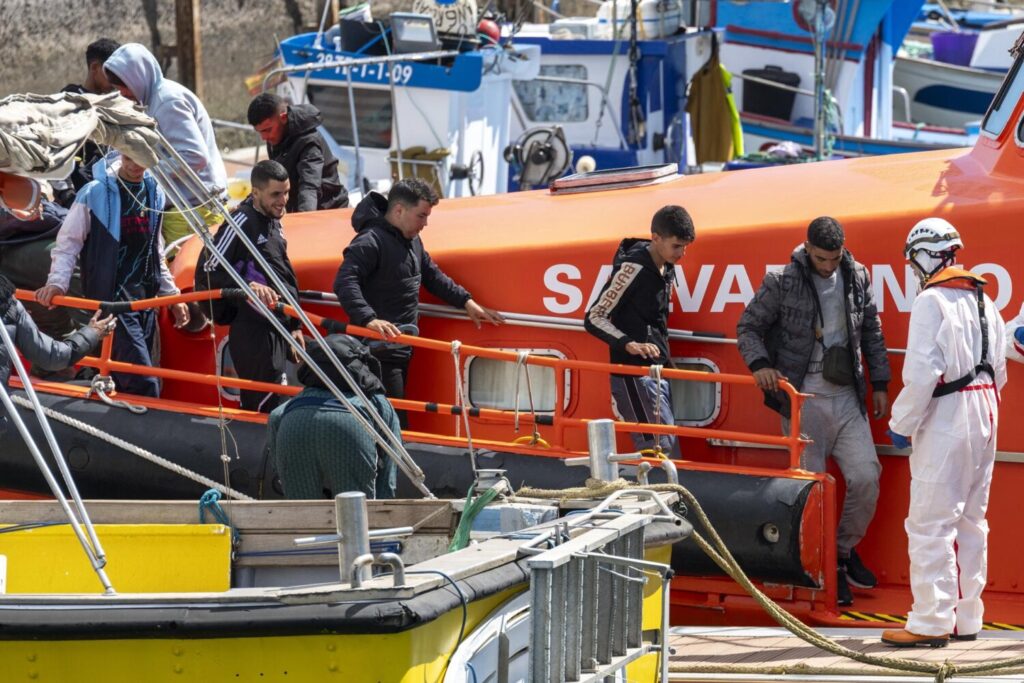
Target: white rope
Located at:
point(521, 366)
point(520, 362)
point(102, 385)
point(134, 450)
point(655, 371)
point(460, 400)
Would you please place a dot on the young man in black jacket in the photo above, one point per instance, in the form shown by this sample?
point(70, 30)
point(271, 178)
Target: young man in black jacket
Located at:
point(258, 352)
point(293, 140)
point(631, 316)
point(378, 283)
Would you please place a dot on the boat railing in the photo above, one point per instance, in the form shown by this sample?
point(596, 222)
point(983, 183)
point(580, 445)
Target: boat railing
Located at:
point(558, 420)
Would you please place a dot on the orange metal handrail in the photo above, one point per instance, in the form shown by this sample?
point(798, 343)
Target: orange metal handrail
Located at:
point(792, 442)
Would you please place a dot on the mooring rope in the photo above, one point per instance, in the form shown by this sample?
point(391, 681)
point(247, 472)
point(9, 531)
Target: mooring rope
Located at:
point(720, 555)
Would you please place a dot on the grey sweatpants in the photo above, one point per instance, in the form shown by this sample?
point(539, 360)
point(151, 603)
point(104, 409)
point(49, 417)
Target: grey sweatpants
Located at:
point(838, 428)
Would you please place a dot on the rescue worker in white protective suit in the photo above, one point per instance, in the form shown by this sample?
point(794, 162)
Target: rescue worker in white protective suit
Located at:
point(949, 408)
point(1015, 337)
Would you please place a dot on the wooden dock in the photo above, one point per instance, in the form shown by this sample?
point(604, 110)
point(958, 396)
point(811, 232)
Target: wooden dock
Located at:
point(774, 654)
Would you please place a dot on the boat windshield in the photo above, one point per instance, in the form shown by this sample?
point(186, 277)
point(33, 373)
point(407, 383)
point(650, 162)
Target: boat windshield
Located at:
point(1005, 101)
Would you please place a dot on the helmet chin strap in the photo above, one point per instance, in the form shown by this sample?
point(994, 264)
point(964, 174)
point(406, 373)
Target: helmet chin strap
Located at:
point(926, 265)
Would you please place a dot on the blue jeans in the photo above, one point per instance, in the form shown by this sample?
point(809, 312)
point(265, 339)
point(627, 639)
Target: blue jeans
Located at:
point(132, 343)
point(637, 400)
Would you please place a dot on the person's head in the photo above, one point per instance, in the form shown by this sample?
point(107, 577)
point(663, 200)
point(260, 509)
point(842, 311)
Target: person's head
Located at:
point(96, 54)
point(671, 232)
point(824, 245)
point(931, 246)
point(268, 115)
point(353, 355)
point(409, 204)
point(269, 188)
point(134, 72)
point(130, 171)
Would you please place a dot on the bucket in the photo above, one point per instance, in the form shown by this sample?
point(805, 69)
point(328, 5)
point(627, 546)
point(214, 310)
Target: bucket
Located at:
point(954, 47)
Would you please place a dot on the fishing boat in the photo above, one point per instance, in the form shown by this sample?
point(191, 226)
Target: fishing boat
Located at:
point(318, 590)
point(779, 520)
point(774, 52)
point(440, 114)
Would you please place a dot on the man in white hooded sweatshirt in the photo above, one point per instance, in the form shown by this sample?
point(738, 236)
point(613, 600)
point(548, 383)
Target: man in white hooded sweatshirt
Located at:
point(182, 119)
point(949, 410)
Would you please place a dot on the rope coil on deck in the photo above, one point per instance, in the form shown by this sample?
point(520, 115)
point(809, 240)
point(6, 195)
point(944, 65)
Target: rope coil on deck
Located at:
point(719, 553)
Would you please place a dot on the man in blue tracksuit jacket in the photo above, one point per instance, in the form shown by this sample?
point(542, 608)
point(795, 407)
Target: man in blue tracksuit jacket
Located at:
point(114, 226)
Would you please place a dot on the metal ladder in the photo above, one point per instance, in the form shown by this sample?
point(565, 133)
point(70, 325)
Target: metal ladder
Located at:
point(587, 604)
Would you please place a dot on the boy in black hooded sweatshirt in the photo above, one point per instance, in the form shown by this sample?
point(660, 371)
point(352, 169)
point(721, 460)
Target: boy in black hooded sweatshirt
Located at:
point(631, 316)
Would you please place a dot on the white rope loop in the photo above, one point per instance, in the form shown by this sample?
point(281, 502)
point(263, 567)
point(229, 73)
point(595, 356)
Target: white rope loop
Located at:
point(460, 400)
point(103, 386)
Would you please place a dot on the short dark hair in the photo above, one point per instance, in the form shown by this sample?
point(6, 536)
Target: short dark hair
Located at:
point(824, 232)
point(263, 106)
point(673, 221)
point(100, 50)
point(114, 79)
point(410, 192)
point(267, 170)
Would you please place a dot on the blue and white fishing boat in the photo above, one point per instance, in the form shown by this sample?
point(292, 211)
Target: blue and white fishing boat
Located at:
point(442, 108)
point(771, 49)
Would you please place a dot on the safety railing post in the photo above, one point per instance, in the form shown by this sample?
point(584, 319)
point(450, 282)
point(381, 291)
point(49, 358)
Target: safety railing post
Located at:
point(601, 443)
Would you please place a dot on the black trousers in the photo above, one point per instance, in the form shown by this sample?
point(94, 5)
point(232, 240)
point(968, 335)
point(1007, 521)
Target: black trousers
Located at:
point(393, 376)
point(259, 353)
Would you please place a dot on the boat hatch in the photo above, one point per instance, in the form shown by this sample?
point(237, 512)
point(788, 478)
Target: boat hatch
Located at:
point(613, 178)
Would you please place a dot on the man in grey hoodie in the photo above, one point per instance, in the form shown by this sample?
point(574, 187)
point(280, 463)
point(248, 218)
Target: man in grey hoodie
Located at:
point(182, 119)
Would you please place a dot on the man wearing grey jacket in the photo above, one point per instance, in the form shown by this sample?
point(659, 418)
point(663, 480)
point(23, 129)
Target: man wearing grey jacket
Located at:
point(811, 325)
point(38, 348)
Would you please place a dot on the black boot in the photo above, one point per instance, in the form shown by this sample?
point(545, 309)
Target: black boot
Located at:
point(856, 573)
point(844, 596)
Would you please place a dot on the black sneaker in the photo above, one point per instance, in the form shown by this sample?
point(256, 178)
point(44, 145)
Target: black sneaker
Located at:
point(844, 597)
point(857, 574)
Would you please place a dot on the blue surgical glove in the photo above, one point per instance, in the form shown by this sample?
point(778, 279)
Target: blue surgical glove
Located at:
point(1018, 334)
point(898, 440)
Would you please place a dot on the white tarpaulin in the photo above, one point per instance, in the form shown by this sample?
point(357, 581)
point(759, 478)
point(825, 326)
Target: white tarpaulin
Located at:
point(41, 134)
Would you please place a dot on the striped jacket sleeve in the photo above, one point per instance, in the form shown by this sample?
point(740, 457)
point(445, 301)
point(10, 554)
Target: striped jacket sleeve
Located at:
point(598, 320)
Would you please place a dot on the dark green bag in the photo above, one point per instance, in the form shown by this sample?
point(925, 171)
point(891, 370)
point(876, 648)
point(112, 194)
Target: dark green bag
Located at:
point(837, 366)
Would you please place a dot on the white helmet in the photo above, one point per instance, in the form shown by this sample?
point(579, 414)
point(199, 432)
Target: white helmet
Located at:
point(931, 246)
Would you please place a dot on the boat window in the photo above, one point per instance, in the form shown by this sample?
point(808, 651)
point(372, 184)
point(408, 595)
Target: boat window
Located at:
point(553, 101)
point(492, 383)
point(695, 404)
point(1004, 102)
point(373, 114)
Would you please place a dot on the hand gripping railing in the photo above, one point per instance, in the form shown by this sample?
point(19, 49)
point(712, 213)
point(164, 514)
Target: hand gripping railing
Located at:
point(179, 182)
point(792, 442)
point(89, 541)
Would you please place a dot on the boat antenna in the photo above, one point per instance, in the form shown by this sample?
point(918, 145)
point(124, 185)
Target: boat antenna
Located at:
point(820, 17)
point(637, 126)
